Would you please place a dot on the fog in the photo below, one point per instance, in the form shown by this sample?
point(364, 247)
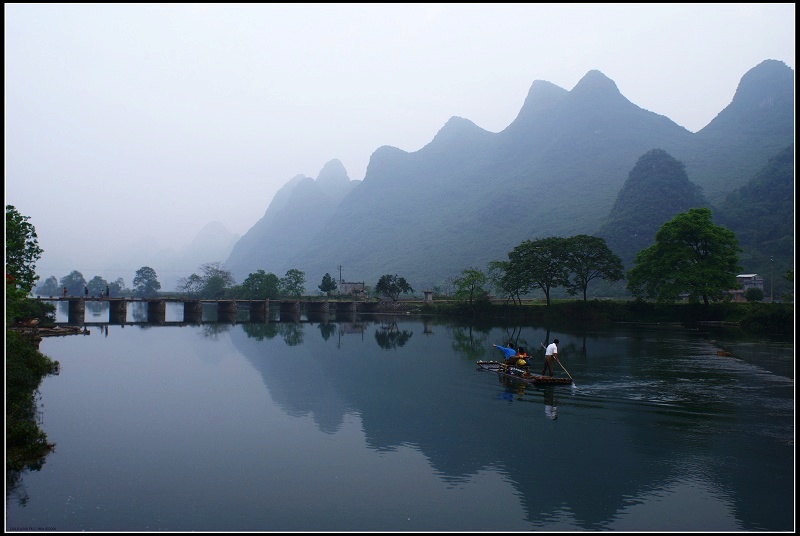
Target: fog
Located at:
point(130, 127)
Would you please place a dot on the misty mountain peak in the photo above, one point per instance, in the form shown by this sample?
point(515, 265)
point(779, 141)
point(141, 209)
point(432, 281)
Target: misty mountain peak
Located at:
point(594, 82)
point(333, 172)
point(541, 96)
point(457, 130)
point(758, 86)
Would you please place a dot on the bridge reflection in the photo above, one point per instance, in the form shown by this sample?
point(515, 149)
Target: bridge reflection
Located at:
point(194, 311)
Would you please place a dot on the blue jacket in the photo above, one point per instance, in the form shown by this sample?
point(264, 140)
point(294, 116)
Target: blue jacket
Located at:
point(509, 352)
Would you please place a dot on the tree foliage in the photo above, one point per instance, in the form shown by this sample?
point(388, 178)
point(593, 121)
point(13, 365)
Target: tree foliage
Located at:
point(754, 295)
point(541, 264)
point(216, 280)
point(49, 287)
point(190, 286)
point(97, 285)
point(691, 255)
point(392, 286)
point(145, 283)
point(587, 258)
point(22, 249)
point(507, 281)
point(260, 286)
point(74, 283)
point(328, 284)
point(293, 283)
point(470, 285)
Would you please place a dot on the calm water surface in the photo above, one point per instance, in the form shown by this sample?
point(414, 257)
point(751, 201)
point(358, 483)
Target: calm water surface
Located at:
point(386, 424)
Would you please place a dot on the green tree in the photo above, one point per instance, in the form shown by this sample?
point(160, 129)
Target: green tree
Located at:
point(117, 287)
point(22, 250)
point(754, 295)
point(190, 286)
point(49, 287)
point(97, 285)
point(260, 286)
point(216, 280)
point(789, 278)
point(74, 282)
point(293, 283)
point(503, 279)
point(691, 255)
point(541, 264)
point(328, 284)
point(26, 443)
point(145, 283)
point(392, 286)
point(588, 257)
point(470, 285)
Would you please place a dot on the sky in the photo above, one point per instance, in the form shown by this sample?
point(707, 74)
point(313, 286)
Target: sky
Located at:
point(130, 124)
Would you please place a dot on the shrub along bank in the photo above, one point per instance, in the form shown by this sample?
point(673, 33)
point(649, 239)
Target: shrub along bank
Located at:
point(775, 318)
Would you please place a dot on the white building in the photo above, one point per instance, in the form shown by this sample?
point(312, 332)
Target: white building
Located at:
point(746, 282)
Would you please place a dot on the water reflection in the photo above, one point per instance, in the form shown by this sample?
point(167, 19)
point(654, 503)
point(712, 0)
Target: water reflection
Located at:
point(400, 430)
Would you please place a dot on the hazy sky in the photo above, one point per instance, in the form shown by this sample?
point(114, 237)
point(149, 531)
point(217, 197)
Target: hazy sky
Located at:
point(124, 121)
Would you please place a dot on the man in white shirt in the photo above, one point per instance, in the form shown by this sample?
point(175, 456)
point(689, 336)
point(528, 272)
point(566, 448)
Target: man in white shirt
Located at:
point(550, 354)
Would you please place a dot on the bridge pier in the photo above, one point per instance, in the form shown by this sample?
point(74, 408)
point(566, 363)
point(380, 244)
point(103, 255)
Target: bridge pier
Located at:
point(259, 310)
point(193, 311)
point(290, 307)
point(77, 312)
point(346, 307)
point(367, 307)
point(117, 311)
point(226, 311)
point(317, 307)
point(156, 312)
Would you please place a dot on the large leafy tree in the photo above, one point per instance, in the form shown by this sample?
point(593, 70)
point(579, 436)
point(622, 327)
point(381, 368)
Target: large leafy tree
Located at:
point(328, 284)
point(293, 283)
point(191, 286)
point(22, 249)
point(542, 263)
point(392, 286)
point(216, 280)
point(261, 286)
point(74, 283)
point(49, 287)
point(470, 285)
point(145, 282)
point(117, 287)
point(507, 280)
point(97, 285)
point(588, 257)
point(691, 255)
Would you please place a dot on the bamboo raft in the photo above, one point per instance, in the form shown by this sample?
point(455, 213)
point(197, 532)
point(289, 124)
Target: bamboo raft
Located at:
point(522, 374)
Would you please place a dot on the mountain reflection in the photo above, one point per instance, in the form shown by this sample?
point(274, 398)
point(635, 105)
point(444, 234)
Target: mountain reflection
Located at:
point(413, 397)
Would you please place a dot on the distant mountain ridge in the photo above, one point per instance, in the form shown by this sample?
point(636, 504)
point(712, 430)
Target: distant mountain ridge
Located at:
point(470, 195)
point(213, 243)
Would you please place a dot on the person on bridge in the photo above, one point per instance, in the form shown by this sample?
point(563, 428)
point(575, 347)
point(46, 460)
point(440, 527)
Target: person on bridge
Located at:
point(65, 292)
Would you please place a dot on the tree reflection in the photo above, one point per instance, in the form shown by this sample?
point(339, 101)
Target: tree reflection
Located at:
point(469, 341)
point(391, 336)
point(292, 333)
point(327, 330)
point(260, 331)
point(214, 329)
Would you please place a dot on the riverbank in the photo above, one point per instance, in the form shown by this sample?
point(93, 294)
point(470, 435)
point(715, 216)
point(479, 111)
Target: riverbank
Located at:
point(26, 443)
point(773, 318)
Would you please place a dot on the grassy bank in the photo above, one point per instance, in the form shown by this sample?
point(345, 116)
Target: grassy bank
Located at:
point(26, 443)
point(777, 318)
